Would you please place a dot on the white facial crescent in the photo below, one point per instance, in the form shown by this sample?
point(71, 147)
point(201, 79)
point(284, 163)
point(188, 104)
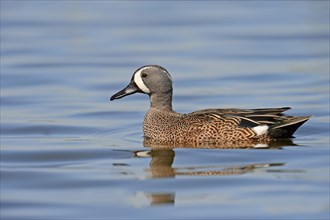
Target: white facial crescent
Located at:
point(139, 82)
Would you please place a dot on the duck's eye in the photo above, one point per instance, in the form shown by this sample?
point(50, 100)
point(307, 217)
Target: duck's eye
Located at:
point(144, 75)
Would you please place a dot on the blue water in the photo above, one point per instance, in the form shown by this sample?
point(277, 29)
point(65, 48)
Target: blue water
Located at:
point(67, 152)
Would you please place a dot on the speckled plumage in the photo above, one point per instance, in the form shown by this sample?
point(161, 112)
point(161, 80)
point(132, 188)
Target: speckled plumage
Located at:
point(209, 126)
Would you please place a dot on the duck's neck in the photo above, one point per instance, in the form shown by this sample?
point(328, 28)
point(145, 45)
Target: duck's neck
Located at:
point(161, 101)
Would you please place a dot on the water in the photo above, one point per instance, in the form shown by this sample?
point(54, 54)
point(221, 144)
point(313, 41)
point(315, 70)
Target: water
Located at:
point(67, 152)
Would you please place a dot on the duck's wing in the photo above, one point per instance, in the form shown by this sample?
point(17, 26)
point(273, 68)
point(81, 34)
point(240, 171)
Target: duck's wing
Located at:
point(279, 125)
point(236, 111)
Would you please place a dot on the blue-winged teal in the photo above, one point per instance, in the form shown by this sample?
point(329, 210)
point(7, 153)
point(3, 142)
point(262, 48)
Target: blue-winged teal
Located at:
point(163, 125)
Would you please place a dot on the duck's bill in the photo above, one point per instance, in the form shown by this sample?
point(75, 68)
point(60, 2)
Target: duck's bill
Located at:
point(130, 89)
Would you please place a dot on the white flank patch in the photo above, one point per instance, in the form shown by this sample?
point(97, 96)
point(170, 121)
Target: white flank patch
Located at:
point(139, 82)
point(260, 129)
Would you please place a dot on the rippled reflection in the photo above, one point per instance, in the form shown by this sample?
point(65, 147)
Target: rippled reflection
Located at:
point(162, 160)
point(161, 166)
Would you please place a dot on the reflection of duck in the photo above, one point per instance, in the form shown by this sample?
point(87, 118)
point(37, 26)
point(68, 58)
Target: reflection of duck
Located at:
point(162, 160)
point(214, 126)
point(161, 198)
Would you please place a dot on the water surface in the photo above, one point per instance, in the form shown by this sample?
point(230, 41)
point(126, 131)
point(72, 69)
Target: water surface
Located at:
point(67, 152)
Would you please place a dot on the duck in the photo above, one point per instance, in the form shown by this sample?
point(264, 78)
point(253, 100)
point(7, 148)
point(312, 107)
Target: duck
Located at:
point(208, 126)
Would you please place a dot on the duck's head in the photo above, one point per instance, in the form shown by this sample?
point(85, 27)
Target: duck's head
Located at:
point(149, 79)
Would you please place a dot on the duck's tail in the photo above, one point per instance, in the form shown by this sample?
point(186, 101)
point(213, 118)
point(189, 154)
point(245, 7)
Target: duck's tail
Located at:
point(287, 127)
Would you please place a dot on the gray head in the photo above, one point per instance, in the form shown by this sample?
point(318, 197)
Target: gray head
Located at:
point(153, 80)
